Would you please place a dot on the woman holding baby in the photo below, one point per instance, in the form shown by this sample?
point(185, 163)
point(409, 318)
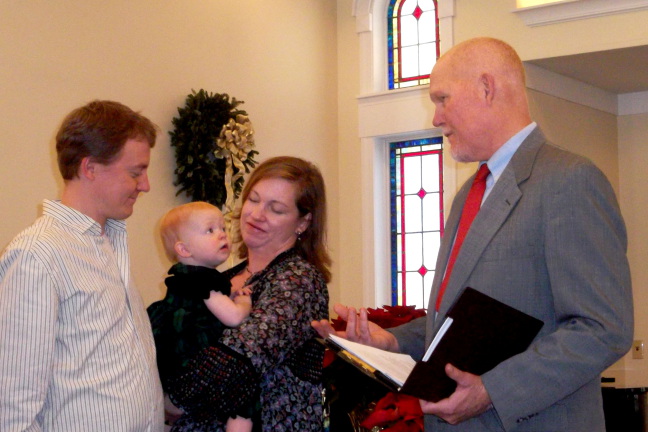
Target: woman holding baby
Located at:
point(271, 361)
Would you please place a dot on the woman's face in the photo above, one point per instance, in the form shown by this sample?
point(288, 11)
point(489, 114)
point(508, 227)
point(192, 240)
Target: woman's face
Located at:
point(270, 219)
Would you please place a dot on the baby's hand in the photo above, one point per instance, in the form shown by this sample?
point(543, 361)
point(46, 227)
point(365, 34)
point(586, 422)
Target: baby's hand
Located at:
point(171, 412)
point(245, 291)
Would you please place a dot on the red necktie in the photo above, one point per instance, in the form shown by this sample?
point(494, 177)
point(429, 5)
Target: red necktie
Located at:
point(471, 207)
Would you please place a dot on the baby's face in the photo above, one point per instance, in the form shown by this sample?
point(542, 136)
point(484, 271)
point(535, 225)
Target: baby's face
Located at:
point(206, 238)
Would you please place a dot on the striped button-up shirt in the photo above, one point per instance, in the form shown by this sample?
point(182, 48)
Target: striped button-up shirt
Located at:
point(76, 349)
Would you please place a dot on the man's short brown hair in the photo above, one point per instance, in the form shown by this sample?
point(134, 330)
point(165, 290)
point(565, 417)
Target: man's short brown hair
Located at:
point(99, 130)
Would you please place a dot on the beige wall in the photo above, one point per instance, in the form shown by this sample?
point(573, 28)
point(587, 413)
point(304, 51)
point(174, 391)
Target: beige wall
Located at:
point(580, 129)
point(350, 219)
point(633, 158)
point(495, 18)
point(279, 57)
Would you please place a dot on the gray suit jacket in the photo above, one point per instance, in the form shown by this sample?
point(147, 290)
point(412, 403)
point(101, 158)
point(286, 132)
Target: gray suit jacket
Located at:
point(549, 240)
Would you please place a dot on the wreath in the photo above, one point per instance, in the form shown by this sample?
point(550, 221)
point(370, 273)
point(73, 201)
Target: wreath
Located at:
point(214, 148)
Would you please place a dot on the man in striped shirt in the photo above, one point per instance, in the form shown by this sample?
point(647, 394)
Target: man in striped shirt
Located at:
point(76, 349)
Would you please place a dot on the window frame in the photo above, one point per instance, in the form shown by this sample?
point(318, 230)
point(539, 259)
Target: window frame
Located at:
point(397, 192)
point(395, 79)
point(385, 116)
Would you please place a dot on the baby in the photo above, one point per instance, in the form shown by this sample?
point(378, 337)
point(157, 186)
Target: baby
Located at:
point(198, 305)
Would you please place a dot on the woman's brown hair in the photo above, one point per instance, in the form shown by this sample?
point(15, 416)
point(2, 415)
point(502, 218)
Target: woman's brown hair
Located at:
point(311, 198)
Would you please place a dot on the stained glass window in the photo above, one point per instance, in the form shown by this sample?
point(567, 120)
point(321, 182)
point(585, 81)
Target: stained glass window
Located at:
point(416, 176)
point(412, 41)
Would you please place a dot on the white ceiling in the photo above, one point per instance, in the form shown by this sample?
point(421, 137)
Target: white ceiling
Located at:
point(617, 71)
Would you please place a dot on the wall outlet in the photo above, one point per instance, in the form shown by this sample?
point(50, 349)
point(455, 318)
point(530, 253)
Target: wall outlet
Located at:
point(638, 349)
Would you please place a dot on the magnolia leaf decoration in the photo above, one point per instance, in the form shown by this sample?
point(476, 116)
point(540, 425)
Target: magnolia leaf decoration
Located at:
point(214, 148)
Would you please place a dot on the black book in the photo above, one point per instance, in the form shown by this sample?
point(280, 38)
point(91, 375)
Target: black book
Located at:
point(478, 333)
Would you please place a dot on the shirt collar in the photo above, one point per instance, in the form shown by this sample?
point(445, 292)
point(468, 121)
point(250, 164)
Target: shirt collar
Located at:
point(500, 159)
point(77, 220)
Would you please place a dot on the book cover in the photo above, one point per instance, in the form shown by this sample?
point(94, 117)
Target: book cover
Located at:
point(483, 333)
point(478, 333)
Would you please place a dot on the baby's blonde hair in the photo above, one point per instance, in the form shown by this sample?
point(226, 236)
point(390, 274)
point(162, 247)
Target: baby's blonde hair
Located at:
point(174, 219)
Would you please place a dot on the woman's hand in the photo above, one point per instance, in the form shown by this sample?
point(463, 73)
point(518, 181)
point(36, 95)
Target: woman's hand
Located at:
point(359, 329)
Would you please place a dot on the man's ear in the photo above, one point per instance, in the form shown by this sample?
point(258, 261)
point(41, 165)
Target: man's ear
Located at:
point(181, 249)
point(487, 82)
point(87, 168)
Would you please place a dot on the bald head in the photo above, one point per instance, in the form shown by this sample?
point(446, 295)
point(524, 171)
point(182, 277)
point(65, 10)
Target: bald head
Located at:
point(476, 56)
point(479, 91)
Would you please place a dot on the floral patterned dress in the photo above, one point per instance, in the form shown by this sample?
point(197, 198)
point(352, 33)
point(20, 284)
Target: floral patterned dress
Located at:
point(272, 357)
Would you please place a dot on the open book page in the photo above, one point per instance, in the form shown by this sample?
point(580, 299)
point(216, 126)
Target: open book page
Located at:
point(393, 365)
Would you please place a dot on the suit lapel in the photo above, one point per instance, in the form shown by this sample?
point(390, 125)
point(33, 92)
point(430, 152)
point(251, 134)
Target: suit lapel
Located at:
point(500, 202)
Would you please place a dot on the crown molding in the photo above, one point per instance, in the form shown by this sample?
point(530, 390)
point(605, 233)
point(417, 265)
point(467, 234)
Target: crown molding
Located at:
point(571, 10)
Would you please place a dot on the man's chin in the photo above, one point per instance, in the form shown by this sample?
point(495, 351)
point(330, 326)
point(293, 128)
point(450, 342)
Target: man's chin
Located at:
point(123, 214)
point(460, 156)
point(456, 155)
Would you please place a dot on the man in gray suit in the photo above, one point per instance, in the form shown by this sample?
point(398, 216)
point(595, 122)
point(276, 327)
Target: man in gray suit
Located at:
point(549, 240)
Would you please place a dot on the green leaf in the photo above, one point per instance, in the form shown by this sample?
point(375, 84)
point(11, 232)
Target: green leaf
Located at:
point(196, 128)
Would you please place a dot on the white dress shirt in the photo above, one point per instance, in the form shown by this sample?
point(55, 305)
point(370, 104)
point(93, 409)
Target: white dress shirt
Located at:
point(76, 349)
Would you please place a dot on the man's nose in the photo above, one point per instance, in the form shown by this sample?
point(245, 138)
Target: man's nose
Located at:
point(144, 185)
point(437, 118)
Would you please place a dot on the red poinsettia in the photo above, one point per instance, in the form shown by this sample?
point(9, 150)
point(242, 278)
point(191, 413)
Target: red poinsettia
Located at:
point(392, 316)
point(385, 317)
point(396, 413)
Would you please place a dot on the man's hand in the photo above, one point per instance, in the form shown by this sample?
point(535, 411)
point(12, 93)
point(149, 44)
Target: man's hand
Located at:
point(359, 329)
point(469, 400)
